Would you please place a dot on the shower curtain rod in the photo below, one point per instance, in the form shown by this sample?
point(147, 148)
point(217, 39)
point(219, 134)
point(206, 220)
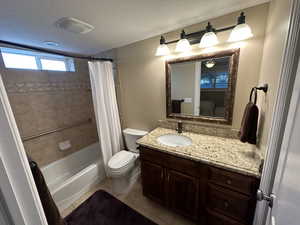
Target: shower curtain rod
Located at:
point(54, 52)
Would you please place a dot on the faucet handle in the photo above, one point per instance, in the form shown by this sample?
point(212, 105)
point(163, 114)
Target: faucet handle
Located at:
point(179, 126)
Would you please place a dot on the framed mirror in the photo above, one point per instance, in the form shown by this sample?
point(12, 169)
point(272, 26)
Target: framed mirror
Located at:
point(202, 87)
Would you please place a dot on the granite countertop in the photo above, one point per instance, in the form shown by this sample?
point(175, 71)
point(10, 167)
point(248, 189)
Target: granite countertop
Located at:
point(220, 152)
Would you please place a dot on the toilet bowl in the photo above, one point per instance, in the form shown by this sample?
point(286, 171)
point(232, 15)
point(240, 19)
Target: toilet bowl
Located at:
point(123, 167)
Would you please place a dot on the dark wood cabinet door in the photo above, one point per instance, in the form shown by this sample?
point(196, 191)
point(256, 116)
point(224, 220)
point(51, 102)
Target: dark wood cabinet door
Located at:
point(210, 195)
point(183, 193)
point(153, 180)
point(230, 203)
point(214, 218)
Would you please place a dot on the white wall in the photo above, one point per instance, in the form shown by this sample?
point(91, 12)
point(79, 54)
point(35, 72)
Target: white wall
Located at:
point(273, 52)
point(16, 181)
point(4, 214)
point(286, 186)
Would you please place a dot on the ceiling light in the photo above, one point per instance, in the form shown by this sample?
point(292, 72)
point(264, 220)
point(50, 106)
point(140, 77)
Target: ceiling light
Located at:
point(51, 43)
point(209, 39)
point(74, 25)
point(210, 64)
point(183, 45)
point(241, 31)
point(162, 49)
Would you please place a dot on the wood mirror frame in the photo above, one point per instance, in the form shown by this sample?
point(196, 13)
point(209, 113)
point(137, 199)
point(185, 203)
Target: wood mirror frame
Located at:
point(229, 99)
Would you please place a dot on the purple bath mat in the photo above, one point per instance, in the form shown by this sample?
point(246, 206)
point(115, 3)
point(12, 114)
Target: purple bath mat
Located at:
point(104, 209)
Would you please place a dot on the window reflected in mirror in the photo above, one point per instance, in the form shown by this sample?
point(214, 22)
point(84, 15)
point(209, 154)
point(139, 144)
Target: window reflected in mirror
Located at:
point(213, 87)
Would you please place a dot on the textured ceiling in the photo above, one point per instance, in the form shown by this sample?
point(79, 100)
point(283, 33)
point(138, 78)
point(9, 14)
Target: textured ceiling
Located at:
point(117, 22)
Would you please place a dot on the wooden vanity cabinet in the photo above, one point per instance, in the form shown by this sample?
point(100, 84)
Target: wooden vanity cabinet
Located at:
point(182, 193)
point(204, 193)
point(153, 181)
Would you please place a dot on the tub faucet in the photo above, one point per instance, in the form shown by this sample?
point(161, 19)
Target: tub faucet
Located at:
point(179, 127)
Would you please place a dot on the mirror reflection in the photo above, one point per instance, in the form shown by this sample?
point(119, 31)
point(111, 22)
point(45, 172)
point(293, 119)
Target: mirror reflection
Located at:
point(200, 87)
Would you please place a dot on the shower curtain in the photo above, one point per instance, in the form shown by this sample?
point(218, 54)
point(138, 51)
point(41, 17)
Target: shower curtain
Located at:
point(106, 109)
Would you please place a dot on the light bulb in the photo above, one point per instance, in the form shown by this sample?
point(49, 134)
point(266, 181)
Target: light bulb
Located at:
point(162, 50)
point(240, 32)
point(183, 45)
point(210, 64)
point(209, 39)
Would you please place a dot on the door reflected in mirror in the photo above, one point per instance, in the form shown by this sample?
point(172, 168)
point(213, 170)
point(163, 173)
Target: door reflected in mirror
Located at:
point(202, 87)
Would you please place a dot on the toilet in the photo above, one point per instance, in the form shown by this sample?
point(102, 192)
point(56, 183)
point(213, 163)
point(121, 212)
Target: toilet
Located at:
point(123, 167)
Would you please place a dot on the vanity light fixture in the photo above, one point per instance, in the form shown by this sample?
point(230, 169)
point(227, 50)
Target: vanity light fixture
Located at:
point(206, 38)
point(183, 45)
point(162, 49)
point(210, 64)
point(209, 39)
point(241, 31)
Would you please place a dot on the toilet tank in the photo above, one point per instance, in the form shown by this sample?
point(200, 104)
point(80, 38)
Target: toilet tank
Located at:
point(131, 136)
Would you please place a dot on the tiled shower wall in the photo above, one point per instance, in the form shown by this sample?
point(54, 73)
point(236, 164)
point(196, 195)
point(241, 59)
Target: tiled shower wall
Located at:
point(47, 100)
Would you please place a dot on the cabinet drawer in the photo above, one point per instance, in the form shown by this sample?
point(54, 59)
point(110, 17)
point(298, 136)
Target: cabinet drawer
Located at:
point(234, 181)
point(218, 219)
point(187, 166)
point(230, 203)
point(169, 161)
point(153, 156)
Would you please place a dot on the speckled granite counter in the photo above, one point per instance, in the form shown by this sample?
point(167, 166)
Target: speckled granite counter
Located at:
point(220, 152)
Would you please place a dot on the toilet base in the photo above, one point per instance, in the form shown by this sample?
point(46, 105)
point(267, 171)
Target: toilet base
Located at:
point(123, 184)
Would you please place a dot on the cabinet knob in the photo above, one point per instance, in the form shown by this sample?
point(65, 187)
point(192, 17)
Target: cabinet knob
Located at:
point(228, 181)
point(226, 204)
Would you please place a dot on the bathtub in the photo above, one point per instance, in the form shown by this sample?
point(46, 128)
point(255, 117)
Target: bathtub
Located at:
point(71, 177)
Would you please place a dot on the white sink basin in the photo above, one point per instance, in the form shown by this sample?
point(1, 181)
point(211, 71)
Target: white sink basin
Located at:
point(174, 140)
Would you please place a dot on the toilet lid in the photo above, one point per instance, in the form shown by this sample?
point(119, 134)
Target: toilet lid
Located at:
point(121, 159)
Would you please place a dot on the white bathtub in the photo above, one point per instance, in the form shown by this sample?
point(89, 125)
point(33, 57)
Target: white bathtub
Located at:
point(69, 178)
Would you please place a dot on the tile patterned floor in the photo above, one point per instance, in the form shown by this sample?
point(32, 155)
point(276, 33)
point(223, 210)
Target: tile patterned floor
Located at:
point(137, 201)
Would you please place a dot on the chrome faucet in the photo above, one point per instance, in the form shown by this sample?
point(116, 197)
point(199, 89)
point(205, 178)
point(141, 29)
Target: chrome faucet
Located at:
point(179, 127)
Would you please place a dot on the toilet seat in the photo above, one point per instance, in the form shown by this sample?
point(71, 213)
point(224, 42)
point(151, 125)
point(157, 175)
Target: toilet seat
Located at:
point(121, 162)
